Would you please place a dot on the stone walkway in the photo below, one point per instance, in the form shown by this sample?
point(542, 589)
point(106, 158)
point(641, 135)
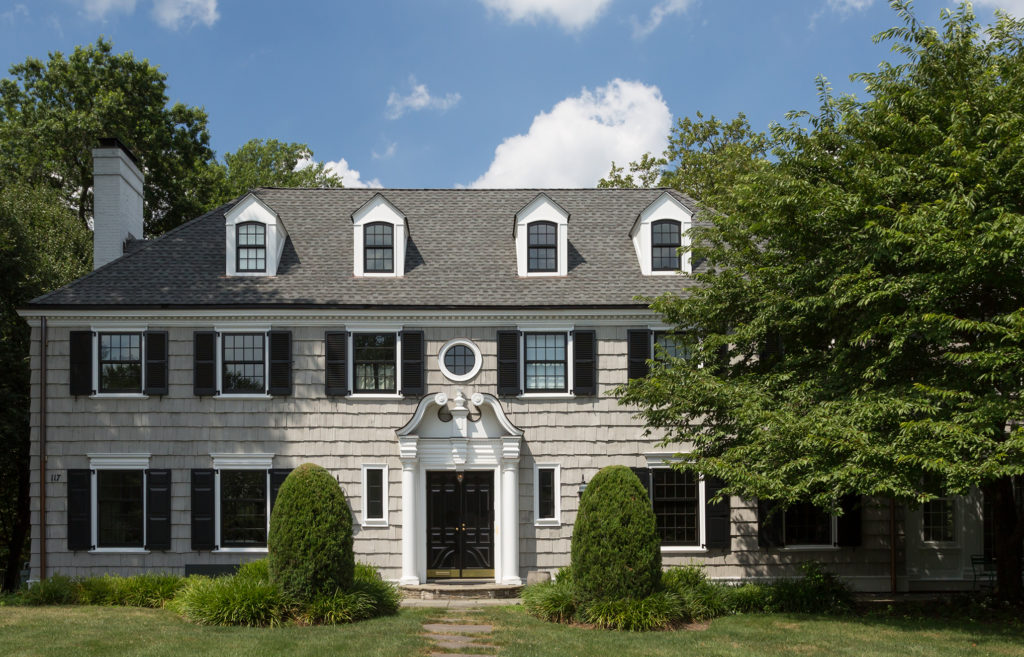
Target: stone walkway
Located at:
point(460, 633)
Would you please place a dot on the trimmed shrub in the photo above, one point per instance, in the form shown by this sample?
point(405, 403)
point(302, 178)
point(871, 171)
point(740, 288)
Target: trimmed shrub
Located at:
point(616, 552)
point(54, 590)
point(817, 592)
point(310, 541)
point(655, 612)
point(550, 601)
point(384, 596)
point(232, 601)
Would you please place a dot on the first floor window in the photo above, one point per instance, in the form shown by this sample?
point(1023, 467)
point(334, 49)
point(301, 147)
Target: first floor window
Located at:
point(120, 362)
point(374, 358)
point(119, 508)
point(243, 508)
point(937, 520)
point(676, 500)
point(806, 524)
point(546, 495)
point(244, 363)
point(375, 497)
point(545, 364)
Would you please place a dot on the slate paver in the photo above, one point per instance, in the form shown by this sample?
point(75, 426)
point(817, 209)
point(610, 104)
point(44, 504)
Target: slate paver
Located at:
point(458, 633)
point(442, 628)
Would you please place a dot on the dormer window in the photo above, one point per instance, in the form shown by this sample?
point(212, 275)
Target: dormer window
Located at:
point(379, 248)
point(251, 247)
point(542, 245)
point(665, 242)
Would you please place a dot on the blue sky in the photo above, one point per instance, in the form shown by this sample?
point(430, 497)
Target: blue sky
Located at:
point(495, 93)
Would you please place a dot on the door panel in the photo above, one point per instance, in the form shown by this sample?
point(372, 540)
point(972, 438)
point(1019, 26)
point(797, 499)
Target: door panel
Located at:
point(477, 514)
point(442, 522)
point(460, 524)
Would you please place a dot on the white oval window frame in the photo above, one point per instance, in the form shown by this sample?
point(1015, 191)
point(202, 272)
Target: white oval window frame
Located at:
point(478, 360)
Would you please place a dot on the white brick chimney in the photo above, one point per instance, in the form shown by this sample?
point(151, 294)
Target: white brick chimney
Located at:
point(117, 200)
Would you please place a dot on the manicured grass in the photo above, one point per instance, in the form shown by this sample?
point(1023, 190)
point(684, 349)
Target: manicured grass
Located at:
point(86, 631)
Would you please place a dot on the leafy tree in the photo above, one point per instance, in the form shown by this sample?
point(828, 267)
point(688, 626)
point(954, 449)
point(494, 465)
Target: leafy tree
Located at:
point(42, 246)
point(53, 113)
point(861, 327)
point(273, 163)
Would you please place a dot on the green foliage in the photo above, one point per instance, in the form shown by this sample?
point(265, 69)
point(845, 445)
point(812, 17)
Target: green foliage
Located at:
point(337, 608)
point(232, 601)
point(258, 570)
point(272, 163)
point(384, 596)
point(54, 590)
point(310, 541)
point(657, 611)
point(551, 601)
point(817, 592)
point(616, 552)
point(701, 598)
point(53, 112)
point(145, 590)
point(866, 285)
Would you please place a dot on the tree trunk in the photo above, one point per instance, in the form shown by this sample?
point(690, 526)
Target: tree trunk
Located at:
point(1008, 533)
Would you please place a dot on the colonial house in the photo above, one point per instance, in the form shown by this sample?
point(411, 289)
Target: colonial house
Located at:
point(447, 354)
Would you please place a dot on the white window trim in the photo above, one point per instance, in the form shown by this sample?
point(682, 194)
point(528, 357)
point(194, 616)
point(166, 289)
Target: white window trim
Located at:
point(951, 499)
point(379, 210)
point(541, 208)
point(254, 329)
point(556, 520)
point(664, 462)
point(227, 461)
point(351, 365)
point(477, 360)
point(115, 328)
point(668, 207)
point(567, 329)
point(251, 209)
point(114, 461)
point(382, 521)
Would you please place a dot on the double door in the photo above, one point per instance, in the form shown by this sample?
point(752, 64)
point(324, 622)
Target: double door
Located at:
point(460, 524)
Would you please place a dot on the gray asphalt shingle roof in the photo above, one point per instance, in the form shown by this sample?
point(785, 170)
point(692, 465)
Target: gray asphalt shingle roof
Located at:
point(461, 253)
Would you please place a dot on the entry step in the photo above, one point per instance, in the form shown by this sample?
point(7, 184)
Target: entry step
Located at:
point(461, 589)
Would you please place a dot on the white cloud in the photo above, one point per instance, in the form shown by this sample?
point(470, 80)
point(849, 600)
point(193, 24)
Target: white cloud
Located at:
point(660, 12)
point(172, 14)
point(574, 144)
point(388, 152)
point(98, 9)
point(1015, 7)
point(572, 15)
point(419, 99)
point(850, 5)
point(350, 177)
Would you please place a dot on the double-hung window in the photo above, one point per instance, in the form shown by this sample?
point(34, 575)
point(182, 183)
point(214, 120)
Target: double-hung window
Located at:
point(666, 238)
point(806, 524)
point(251, 247)
point(231, 503)
point(120, 362)
point(938, 523)
point(244, 508)
point(242, 361)
point(803, 525)
point(686, 518)
point(542, 247)
point(545, 362)
point(374, 362)
point(379, 248)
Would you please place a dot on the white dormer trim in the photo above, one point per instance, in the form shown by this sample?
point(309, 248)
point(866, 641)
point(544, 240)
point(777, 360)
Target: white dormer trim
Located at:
point(252, 209)
point(379, 209)
point(542, 208)
point(665, 206)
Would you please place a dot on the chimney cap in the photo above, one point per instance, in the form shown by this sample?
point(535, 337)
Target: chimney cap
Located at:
point(114, 142)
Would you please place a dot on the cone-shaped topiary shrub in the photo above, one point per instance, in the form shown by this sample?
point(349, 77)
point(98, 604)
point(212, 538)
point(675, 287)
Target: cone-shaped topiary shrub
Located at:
point(310, 542)
point(616, 552)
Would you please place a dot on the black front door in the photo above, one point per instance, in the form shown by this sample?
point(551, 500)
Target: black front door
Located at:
point(460, 524)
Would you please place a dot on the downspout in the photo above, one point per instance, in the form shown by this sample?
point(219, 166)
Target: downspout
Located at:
point(892, 545)
point(42, 448)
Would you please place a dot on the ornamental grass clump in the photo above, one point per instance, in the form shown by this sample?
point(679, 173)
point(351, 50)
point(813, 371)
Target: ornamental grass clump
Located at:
point(310, 541)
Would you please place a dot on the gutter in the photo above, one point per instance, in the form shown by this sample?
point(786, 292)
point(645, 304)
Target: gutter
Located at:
point(42, 448)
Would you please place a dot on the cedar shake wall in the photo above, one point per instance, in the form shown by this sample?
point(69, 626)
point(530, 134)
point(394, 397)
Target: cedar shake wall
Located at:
point(582, 435)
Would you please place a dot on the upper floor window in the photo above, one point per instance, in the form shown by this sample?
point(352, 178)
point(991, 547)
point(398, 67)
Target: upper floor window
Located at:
point(244, 361)
point(542, 247)
point(244, 364)
point(251, 249)
point(543, 361)
point(374, 361)
point(546, 362)
point(666, 238)
point(379, 248)
point(120, 362)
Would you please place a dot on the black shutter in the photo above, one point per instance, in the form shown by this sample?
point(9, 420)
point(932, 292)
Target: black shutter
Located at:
point(584, 356)
point(156, 362)
point(413, 356)
point(204, 364)
point(508, 363)
point(203, 535)
point(336, 363)
point(280, 362)
point(277, 477)
point(848, 527)
point(79, 510)
point(717, 528)
point(158, 509)
point(638, 346)
point(81, 363)
point(644, 475)
point(770, 524)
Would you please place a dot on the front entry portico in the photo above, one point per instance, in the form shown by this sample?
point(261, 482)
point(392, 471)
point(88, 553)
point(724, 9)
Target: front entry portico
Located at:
point(466, 436)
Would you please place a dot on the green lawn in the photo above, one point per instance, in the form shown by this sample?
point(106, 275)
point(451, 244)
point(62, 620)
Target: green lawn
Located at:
point(85, 631)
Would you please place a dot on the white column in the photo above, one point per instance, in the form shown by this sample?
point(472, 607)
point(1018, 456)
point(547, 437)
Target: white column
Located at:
point(510, 522)
point(410, 463)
